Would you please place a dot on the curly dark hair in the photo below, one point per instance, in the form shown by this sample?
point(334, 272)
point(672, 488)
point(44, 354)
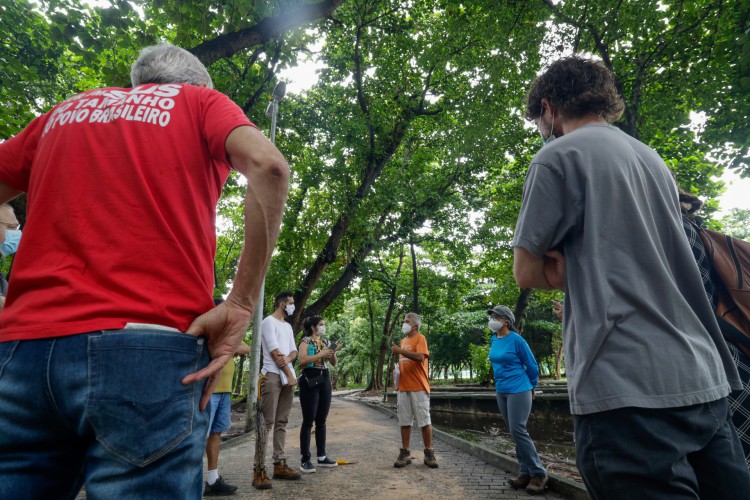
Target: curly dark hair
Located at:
point(576, 87)
point(309, 323)
point(689, 203)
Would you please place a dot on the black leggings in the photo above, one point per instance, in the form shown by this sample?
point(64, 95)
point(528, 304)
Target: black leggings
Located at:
point(315, 404)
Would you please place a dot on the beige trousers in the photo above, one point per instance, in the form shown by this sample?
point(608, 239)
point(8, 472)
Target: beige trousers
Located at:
point(277, 403)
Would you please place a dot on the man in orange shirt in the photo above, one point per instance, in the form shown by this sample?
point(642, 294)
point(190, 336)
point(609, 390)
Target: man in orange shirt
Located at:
point(413, 390)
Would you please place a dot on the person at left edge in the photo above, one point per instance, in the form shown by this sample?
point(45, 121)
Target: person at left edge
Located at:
point(109, 323)
point(10, 237)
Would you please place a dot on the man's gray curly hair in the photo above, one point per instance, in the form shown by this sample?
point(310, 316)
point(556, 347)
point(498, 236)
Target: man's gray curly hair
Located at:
point(168, 64)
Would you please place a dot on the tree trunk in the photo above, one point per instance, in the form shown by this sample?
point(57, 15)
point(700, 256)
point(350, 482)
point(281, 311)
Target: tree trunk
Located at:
point(240, 374)
point(521, 304)
point(388, 325)
point(558, 363)
point(415, 276)
point(371, 313)
point(267, 29)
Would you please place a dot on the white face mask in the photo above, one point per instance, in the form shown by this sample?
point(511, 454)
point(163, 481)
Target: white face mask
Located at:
point(289, 309)
point(322, 330)
point(551, 136)
point(406, 328)
point(12, 239)
point(495, 325)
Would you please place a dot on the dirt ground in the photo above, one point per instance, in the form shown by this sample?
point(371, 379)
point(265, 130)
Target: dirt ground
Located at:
point(556, 460)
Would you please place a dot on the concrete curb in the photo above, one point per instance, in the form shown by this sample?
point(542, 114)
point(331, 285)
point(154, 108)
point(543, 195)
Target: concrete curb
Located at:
point(232, 442)
point(560, 485)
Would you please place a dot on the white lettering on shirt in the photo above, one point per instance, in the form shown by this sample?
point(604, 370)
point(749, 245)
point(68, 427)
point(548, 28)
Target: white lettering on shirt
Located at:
point(150, 105)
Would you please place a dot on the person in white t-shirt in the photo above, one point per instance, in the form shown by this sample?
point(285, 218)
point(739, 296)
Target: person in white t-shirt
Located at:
point(277, 387)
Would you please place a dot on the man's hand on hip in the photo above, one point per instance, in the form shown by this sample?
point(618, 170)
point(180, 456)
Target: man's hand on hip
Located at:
point(224, 327)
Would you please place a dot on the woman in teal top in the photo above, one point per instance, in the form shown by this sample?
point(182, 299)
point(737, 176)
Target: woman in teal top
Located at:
point(516, 374)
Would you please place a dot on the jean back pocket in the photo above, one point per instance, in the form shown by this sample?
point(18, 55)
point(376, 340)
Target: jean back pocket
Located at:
point(137, 405)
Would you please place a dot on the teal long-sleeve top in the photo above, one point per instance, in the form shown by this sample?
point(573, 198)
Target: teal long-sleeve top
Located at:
point(513, 364)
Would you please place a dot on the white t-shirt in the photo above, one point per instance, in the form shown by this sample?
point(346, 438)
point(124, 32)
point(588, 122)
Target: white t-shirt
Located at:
point(275, 334)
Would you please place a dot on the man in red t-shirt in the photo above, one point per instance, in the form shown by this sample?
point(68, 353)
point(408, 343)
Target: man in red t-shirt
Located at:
point(109, 320)
point(413, 390)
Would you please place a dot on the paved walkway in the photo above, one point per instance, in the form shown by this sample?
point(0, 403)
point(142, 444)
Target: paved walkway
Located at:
point(361, 434)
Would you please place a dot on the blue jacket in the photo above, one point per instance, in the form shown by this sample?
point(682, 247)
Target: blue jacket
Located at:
point(513, 364)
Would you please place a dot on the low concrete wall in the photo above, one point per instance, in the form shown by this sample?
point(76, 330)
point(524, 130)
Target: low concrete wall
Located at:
point(550, 418)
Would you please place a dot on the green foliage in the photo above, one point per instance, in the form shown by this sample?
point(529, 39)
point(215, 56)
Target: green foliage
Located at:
point(414, 131)
point(737, 223)
point(480, 362)
point(671, 58)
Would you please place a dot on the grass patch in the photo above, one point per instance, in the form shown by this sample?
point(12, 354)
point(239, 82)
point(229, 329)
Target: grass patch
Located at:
point(466, 436)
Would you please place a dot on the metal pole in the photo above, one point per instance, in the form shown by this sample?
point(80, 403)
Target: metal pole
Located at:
point(252, 386)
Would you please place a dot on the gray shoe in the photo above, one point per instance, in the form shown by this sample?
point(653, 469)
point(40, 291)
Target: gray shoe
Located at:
point(537, 485)
point(404, 459)
point(521, 482)
point(307, 467)
point(219, 488)
point(429, 458)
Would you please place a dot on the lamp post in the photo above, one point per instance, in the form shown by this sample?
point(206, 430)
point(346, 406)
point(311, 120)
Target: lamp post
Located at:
point(271, 111)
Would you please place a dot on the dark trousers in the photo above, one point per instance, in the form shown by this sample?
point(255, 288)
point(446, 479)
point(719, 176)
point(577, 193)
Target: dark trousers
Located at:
point(676, 453)
point(315, 403)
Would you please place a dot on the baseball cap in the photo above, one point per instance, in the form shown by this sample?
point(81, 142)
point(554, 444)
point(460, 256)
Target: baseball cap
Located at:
point(503, 311)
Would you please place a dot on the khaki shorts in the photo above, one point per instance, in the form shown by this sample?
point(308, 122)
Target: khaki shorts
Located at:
point(413, 405)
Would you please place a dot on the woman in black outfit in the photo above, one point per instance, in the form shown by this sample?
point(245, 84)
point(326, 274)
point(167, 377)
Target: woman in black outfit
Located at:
point(315, 354)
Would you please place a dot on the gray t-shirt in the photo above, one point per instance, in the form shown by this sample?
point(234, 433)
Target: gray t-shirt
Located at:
point(639, 330)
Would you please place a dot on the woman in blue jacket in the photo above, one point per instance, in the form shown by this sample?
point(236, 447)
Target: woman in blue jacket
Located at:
point(516, 374)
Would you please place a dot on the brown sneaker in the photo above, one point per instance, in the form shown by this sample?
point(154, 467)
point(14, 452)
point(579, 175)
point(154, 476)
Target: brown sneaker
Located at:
point(282, 471)
point(429, 458)
point(260, 479)
point(404, 458)
point(537, 485)
point(522, 481)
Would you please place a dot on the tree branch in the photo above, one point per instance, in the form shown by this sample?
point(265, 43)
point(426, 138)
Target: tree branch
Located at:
point(267, 29)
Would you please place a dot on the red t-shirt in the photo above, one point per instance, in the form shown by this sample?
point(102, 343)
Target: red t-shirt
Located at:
point(122, 189)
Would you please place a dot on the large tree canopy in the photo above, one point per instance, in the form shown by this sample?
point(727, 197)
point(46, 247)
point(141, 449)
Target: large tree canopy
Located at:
point(409, 151)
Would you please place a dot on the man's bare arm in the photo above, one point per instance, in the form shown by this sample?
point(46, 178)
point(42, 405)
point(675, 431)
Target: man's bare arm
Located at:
point(416, 356)
point(251, 154)
point(530, 271)
point(283, 363)
point(267, 173)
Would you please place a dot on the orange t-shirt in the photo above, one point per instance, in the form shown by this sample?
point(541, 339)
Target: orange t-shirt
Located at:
point(413, 375)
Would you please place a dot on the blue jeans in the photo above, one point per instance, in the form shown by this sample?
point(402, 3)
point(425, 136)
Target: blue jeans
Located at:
point(219, 413)
point(106, 409)
point(676, 453)
point(515, 409)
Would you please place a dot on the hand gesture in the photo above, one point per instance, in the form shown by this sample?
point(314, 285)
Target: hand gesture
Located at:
point(395, 349)
point(224, 327)
point(554, 269)
point(557, 309)
point(281, 361)
point(326, 353)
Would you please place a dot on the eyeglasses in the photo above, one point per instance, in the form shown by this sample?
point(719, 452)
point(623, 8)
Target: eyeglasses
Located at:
point(11, 225)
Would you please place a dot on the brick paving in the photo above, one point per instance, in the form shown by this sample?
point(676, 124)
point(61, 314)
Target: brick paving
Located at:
point(361, 434)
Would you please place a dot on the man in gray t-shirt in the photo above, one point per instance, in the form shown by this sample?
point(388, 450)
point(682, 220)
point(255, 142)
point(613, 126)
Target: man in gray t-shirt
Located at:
point(648, 371)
